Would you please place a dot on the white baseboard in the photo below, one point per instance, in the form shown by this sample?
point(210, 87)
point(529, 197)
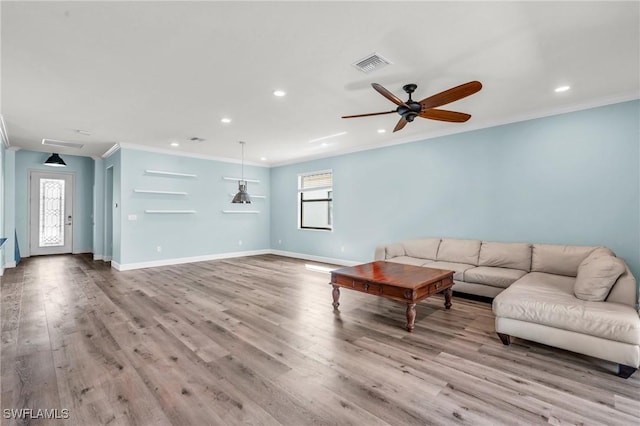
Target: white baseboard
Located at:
point(10, 264)
point(181, 260)
point(98, 257)
point(322, 259)
point(1, 271)
point(81, 251)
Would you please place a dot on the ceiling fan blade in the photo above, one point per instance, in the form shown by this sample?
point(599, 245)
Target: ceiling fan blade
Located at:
point(403, 122)
point(444, 115)
point(451, 95)
point(367, 115)
point(387, 94)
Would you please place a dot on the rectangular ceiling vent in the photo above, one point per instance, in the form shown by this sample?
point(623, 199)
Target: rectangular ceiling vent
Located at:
point(197, 139)
point(371, 63)
point(51, 142)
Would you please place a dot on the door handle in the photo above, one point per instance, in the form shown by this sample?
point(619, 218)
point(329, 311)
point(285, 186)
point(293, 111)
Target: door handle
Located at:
point(68, 220)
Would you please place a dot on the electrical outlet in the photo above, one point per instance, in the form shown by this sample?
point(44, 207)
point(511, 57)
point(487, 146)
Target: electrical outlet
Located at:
point(342, 249)
point(279, 241)
point(159, 249)
point(239, 242)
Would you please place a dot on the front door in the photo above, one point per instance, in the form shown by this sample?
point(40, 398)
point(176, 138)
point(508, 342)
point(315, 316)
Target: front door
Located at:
point(50, 213)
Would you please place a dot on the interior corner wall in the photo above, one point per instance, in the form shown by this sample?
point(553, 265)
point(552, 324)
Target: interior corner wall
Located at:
point(566, 179)
point(2, 215)
point(114, 252)
point(9, 189)
point(98, 208)
point(149, 239)
point(82, 168)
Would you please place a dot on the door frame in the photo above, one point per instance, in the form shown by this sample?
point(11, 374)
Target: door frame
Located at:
point(72, 175)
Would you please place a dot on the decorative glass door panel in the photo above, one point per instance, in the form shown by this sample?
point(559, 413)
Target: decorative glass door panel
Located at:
point(50, 213)
point(51, 229)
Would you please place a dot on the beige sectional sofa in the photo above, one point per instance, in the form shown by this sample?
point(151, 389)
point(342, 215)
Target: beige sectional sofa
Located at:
point(579, 298)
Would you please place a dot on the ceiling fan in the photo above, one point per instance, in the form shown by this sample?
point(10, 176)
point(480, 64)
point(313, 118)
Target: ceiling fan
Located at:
point(426, 108)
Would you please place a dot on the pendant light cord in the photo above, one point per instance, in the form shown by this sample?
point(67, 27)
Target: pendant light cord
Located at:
point(242, 143)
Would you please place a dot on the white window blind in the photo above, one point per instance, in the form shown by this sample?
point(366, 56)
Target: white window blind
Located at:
point(316, 181)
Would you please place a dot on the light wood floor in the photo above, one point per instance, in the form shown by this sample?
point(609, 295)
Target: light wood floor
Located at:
point(255, 341)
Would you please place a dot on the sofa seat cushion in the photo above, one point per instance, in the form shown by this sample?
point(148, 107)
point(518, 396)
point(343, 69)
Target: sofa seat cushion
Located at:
point(459, 251)
point(548, 299)
point(458, 268)
point(505, 255)
point(408, 260)
point(496, 277)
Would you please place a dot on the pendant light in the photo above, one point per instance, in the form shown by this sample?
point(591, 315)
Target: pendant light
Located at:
point(55, 161)
point(242, 197)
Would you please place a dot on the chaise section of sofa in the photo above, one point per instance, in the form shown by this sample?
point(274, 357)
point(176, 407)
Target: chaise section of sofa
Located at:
point(536, 295)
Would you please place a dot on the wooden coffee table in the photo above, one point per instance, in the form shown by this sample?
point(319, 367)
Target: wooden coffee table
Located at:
point(395, 281)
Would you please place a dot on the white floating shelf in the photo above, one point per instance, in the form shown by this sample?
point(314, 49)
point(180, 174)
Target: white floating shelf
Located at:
point(238, 179)
point(170, 211)
point(251, 195)
point(153, 191)
point(165, 173)
point(240, 211)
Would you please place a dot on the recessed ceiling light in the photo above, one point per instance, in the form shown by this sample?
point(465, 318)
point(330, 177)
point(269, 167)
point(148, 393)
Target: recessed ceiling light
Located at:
point(327, 137)
point(382, 131)
point(174, 144)
point(279, 93)
point(226, 120)
point(562, 89)
point(263, 158)
point(324, 144)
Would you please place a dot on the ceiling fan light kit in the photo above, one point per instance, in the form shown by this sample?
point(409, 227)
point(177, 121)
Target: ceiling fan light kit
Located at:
point(426, 108)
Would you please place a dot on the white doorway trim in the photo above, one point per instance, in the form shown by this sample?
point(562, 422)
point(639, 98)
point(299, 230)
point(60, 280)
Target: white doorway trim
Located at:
point(70, 205)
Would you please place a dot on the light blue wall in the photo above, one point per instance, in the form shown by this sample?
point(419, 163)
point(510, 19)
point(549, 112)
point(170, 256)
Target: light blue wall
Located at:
point(2, 214)
point(209, 231)
point(82, 167)
point(98, 208)
point(566, 179)
point(115, 162)
point(9, 207)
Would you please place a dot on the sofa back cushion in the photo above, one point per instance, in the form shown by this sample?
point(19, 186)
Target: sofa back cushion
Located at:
point(394, 250)
point(596, 277)
point(557, 259)
point(459, 251)
point(624, 290)
point(425, 248)
point(506, 255)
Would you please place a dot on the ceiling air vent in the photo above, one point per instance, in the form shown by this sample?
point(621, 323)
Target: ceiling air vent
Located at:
point(371, 63)
point(51, 142)
point(197, 139)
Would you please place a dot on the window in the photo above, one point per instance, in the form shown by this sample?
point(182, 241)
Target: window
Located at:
point(315, 195)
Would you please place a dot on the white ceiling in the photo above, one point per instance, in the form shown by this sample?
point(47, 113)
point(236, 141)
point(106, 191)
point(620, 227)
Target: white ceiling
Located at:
point(149, 73)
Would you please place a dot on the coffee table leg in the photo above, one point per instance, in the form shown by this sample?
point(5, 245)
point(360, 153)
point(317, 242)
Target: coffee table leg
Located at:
point(336, 296)
point(447, 298)
point(411, 316)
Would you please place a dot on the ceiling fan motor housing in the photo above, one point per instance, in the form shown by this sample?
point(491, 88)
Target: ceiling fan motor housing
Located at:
point(410, 113)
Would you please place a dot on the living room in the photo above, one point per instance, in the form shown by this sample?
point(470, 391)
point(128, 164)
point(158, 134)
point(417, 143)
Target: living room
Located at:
point(165, 266)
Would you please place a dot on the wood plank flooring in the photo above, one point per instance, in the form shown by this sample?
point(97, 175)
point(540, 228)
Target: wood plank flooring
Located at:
point(255, 341)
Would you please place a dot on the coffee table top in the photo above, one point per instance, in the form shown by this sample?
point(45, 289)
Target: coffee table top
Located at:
point(396, 274)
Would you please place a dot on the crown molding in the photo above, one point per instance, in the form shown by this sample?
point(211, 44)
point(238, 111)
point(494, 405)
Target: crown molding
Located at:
point(108, 153)
point(146, 148)
point(3, 133)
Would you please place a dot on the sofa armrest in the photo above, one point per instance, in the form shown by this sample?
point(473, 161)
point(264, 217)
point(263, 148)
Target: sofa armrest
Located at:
point(389, 251)
point(381, 253)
